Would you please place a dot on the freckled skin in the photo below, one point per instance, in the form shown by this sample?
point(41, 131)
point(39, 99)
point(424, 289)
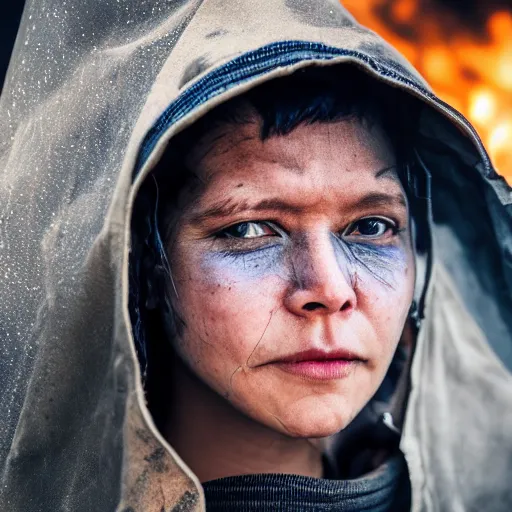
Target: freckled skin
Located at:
point(246, 303)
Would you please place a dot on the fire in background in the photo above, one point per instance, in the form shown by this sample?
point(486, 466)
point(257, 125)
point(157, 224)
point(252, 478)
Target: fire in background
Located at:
point(464, 50)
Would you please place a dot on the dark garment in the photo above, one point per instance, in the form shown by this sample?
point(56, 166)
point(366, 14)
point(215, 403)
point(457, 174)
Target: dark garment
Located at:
point(385, 489)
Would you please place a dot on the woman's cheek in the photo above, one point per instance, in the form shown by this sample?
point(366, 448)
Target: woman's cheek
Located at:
point(229, 299)
point(383, 277)
point(228, 267)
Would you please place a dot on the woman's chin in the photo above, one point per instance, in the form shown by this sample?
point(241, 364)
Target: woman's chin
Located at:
point(313, 421)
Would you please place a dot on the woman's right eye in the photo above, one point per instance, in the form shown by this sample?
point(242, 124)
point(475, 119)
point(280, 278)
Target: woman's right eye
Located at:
point(245, 230)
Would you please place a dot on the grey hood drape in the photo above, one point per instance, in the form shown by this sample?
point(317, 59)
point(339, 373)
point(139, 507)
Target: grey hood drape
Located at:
point(95, 90)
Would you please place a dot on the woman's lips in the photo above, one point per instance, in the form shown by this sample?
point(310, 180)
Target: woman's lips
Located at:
point(329, 369)
point(320, 365)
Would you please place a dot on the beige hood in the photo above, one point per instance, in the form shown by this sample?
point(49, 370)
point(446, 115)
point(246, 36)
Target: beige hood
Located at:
point(95, 90)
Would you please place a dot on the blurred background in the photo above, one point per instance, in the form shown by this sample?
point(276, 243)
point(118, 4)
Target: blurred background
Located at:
point(464, 50)
point(462, 47)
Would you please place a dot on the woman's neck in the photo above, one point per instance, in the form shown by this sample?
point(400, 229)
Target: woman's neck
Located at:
point(215, 440)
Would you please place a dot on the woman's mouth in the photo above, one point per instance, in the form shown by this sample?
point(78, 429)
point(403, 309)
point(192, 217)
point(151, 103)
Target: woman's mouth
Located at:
point(320, 365)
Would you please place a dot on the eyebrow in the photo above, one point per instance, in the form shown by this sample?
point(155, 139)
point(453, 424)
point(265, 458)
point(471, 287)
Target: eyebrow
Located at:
point(388, 172)
point(230, 207)
point(381, 199)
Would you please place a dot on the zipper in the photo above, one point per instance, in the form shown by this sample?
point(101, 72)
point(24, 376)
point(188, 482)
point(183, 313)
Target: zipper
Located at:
point(278, 55)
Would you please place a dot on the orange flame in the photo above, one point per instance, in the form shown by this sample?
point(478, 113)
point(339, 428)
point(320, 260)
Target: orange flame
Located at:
point(470, 72)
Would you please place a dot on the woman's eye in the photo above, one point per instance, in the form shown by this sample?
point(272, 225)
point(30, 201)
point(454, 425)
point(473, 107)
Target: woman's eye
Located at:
point(248, 230)
point(371, 227)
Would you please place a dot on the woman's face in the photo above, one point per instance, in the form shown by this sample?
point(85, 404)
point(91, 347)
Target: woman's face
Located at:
point(293, 272)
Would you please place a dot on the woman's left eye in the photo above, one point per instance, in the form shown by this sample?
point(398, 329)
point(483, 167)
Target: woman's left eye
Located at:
point(245, 230)
point(370, 227)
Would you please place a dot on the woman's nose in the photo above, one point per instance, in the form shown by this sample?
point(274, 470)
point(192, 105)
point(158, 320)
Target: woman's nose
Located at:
point(322, 284)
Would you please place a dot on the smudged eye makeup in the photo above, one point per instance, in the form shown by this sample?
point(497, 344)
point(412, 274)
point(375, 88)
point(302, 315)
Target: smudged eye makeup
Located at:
point(253, 249)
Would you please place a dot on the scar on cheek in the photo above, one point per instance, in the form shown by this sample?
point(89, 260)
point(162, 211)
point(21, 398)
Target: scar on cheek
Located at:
point(240, 266)
point(385, 264)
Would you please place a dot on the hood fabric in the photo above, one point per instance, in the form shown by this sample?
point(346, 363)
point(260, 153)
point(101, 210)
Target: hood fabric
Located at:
point(95, 91)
